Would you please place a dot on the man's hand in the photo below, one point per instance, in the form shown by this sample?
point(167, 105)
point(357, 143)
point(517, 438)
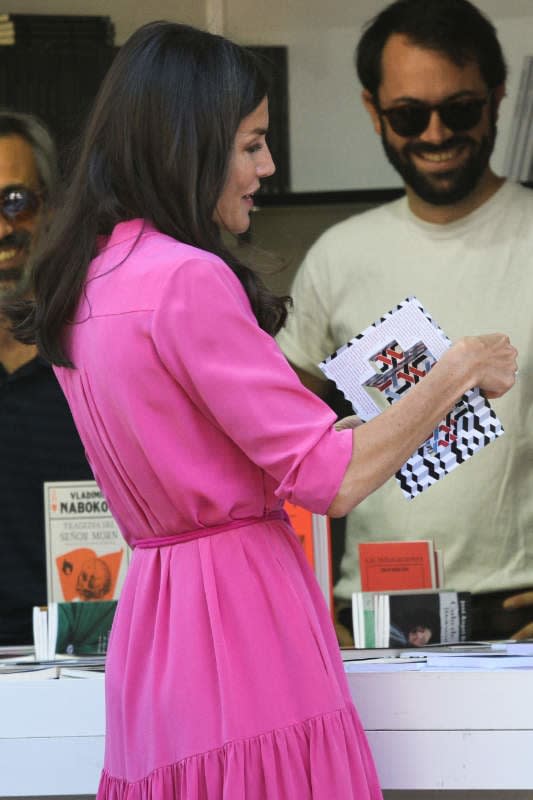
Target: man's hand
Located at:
point(347, 423)
point(344, 637)
point(521, 601)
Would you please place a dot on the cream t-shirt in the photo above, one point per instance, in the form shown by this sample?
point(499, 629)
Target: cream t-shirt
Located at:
point(473, 276)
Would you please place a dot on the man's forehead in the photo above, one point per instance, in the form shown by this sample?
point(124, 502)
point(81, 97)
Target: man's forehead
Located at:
point(411, 70)
point(17, 162)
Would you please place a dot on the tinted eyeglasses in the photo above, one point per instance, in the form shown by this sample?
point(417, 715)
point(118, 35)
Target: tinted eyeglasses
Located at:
point(412, 119)
point(19, 204)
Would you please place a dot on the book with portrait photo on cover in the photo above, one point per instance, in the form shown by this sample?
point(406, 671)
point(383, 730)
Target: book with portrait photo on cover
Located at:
point(410, 618)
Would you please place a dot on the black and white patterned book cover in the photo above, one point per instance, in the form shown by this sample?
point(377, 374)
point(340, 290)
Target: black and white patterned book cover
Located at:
point(379, 365)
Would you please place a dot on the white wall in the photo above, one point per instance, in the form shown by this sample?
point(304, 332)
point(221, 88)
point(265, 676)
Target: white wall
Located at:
point(516, 36)
point(332, 143)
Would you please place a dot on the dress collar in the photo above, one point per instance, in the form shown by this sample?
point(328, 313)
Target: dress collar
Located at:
point(125, 231)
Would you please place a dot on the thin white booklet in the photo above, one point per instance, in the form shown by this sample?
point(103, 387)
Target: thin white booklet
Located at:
point(382, 363)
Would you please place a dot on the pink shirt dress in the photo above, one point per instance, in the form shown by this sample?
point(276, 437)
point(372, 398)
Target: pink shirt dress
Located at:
point(224, 678)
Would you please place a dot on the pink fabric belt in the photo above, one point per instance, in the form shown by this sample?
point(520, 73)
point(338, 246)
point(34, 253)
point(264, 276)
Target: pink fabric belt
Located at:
point(200, 533)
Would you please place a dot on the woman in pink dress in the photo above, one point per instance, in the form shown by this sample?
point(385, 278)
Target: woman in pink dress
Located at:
point(224, 678)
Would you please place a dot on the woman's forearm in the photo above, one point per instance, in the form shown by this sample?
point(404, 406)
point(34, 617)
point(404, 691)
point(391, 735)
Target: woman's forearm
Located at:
point(383, 445)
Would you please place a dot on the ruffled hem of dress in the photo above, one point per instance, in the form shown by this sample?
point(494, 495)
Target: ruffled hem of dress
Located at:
point(324, 757)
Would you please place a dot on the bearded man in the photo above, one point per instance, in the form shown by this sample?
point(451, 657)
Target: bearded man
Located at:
point(38, 440)
point(461, 241)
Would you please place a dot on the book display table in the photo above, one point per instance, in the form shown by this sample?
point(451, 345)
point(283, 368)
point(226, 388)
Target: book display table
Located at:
point(449, 730)
point(427, 730)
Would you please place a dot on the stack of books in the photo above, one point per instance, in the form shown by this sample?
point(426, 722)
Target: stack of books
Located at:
point(402, 603)
point(468, 657)
point(31, 30)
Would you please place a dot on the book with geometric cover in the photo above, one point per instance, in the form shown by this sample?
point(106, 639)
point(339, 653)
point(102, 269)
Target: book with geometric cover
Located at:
point(383, 362)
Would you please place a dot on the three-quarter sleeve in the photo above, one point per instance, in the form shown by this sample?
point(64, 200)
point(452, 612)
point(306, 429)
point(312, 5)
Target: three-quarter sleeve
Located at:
point(207, 337)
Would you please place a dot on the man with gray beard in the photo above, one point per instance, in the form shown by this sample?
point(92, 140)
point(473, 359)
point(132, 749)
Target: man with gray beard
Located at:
point(461, 241)
point(38, 440)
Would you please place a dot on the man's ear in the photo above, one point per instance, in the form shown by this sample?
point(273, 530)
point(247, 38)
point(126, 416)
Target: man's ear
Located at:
point(368, 103)
point(498, 94)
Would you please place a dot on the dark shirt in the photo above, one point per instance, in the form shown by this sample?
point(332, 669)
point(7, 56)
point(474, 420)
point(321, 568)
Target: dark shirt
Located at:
point(38, 442)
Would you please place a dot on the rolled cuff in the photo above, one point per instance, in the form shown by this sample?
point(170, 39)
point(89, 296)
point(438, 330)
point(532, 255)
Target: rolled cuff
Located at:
point(316, 481)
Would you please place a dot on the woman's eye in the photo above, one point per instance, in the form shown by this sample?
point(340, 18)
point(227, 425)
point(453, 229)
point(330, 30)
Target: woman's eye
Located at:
point(253, 148)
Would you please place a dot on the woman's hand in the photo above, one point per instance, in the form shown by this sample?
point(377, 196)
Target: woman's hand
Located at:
point(489, 359)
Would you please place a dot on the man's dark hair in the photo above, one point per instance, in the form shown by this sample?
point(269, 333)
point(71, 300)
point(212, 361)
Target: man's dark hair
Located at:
point(454, 28)
point(157, 146)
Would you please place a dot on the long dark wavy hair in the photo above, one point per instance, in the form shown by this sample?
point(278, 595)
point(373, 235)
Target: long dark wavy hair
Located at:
point(156, 146)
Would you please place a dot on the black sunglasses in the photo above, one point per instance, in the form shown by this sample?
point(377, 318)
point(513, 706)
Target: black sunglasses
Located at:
point(412, 119)
point(18, 203)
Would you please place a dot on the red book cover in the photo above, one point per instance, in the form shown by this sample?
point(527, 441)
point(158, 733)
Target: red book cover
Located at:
point(302, 522)
point(393, 566)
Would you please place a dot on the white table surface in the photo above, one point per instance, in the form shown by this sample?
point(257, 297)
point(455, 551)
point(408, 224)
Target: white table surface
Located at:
point(427, 730)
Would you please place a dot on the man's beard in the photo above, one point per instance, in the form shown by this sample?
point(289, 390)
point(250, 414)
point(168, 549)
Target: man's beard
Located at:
point(444, 188)
point(11, 277)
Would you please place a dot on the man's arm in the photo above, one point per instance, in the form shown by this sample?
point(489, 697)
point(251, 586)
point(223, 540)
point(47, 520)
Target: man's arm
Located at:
point(306, 338)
